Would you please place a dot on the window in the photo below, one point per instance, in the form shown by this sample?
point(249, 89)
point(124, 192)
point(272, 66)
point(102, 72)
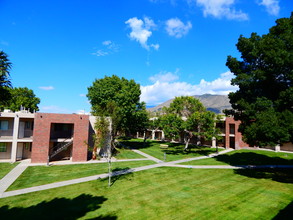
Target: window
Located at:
point(232, 128)
point(28, 146)
point(3, 147)
point(28, 125)
point(3, 125)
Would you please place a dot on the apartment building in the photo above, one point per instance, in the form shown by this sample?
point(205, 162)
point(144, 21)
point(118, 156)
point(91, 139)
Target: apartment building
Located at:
point(228, 127)
point(44, 137)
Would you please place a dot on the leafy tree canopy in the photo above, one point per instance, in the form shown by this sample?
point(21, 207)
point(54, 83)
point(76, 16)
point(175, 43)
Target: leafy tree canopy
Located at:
point(264, 100)
point(118, 98)
point(22, 97)
point(5, 83)
point(187, 115)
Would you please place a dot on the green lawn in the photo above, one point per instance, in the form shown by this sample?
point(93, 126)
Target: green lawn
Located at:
point(162, 193)
point(40, 175)
point(6, 168)
point(247, 157)
point(173, 152)
point(123, 153)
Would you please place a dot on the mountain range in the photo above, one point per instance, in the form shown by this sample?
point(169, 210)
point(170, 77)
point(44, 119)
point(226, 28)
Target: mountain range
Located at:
point(214, 103)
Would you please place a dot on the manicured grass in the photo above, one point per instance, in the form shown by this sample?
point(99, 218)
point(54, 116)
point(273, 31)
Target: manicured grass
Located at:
point(173, 152)
point(247, 157)
point(161, 193)
point(123, 153)
point(6, 168)
point(40, 175)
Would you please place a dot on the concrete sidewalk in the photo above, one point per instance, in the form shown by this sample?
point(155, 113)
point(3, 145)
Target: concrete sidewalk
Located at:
point(147, 156)
point(200, 158)
point(15, 173)
point(75, 181)
point(230, 166)
point(69, 162)
point(7, 180)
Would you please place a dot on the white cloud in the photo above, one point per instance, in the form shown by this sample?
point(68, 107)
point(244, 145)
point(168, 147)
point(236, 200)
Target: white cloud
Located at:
point(109, 47)
point(141, 31)
point(161, 90)
point(164, 76)
point(107, 42)
point(82, 112)
point(221, 9)
point(82, 95)
point(272, 6)
point(175, 27)
point(155, 46)
point(100, 53)
point(46, 87)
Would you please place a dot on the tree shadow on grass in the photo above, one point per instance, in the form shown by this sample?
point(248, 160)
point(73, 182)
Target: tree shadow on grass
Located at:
point(275, 174)
point(178, 149)
point(119, 173)
point(250, 158)
point(285, 213)
point(136, 144)
point(58, 208)
point(173, 148)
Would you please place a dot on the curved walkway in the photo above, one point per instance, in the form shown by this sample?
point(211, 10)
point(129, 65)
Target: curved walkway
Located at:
point(16, 172)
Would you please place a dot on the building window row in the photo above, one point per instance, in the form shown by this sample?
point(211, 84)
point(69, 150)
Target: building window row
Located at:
point(4, 125)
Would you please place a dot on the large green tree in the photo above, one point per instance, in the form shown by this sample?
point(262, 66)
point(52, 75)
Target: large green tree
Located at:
point(22, 97)
point(5, 82)
point(264, 74)
point(187, 115)
point(118, 98)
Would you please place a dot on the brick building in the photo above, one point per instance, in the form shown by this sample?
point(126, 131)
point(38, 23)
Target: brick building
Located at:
point(43, 137)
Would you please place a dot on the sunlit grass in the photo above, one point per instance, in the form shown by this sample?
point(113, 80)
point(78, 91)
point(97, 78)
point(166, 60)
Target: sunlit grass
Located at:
point(160, 193)
point(174, 151)
point(5, 168)
point(39, 175)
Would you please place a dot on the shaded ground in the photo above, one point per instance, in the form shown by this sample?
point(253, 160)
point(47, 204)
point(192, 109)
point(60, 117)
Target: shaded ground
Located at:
point(248, 157)
point(254, 157)
point(57, 208)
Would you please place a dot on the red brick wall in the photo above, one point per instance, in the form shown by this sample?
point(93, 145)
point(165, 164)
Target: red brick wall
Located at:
point(239, 143)
point(41, 138)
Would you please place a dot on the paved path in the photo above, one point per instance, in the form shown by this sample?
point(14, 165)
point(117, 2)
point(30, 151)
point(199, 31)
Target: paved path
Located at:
point(147, 156)
point(200, 158)
point(74, 181)
point(229, 166)
point(14, 174)
point(7, 180)
point(69, 162)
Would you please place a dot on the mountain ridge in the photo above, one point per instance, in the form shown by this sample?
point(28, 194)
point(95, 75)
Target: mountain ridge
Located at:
point(214, 103)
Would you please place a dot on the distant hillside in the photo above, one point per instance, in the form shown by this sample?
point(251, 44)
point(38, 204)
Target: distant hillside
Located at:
point(214, 103)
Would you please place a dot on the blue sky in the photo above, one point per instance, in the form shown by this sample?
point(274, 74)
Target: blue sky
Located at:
point(170, 47)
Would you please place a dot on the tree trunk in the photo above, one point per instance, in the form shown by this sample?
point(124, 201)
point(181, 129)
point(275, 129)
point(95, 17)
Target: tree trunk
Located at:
point(187, 144)
point(144, 138)
point(198, 137)
point(94, 156)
